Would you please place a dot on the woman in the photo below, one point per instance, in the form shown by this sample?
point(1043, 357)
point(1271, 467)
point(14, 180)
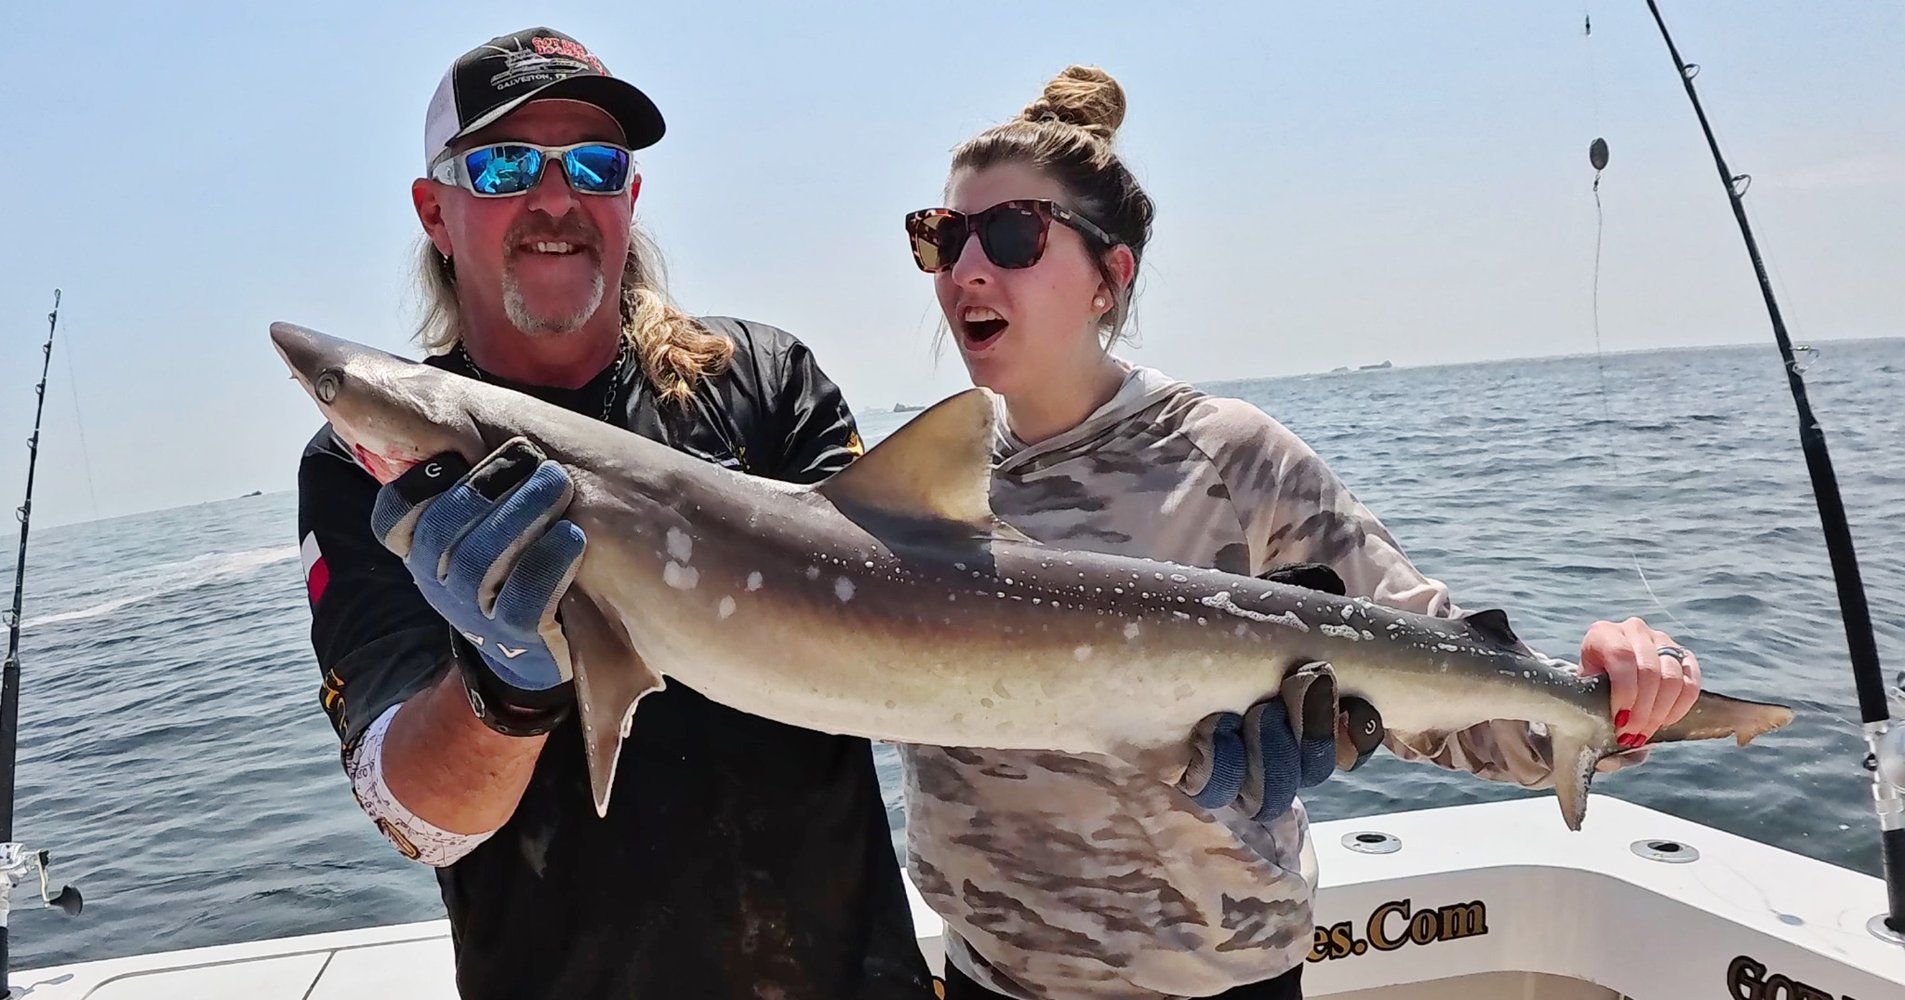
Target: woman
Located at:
point(1068, 876)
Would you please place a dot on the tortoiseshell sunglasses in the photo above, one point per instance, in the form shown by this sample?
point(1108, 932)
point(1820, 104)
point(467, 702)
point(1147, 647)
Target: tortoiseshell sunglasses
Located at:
point(1011, 232)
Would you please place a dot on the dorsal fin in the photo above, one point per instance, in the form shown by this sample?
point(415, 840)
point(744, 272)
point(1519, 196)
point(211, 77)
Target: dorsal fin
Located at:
point(1492, 624)
point(939, 466)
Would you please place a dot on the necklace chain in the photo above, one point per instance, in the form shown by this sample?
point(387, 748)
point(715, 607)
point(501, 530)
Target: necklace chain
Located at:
point(622, 354)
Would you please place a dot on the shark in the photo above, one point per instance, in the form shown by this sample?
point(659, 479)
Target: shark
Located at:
point(890, 602)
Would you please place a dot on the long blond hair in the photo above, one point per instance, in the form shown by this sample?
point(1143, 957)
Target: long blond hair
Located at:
point(675, 351)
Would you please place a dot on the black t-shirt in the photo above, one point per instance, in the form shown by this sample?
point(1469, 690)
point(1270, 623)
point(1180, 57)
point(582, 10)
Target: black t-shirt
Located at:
point(740, 857)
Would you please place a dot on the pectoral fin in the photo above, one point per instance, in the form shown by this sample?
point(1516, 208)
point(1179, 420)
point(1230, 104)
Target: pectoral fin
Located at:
point(610, 678)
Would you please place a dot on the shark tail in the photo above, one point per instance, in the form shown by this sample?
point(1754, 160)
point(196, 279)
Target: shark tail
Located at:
point(1712, 717)
point(1716, 715)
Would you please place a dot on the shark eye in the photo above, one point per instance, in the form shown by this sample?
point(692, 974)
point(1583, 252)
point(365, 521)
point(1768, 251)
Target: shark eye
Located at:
point(326, 385)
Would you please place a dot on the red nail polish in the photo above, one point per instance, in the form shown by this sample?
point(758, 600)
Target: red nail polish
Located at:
point(1620, 718)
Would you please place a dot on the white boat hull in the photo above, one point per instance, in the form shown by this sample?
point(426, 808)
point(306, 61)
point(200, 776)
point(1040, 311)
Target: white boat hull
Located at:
point(1478, 902)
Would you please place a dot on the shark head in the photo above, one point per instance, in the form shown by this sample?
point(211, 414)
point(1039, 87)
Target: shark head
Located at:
point(378, 404)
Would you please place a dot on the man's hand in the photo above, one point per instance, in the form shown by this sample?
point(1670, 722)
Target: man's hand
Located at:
point(488, 552)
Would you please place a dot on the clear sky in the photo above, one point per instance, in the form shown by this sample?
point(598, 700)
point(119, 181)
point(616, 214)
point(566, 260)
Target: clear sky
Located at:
point(1338, 183)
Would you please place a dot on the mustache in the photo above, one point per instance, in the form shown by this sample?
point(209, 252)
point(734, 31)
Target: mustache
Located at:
point(573, 228)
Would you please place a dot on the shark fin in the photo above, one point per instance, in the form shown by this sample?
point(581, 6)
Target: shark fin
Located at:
point(610, 678)
point(1492, 624)
point(1574, 763)
point(939, 465)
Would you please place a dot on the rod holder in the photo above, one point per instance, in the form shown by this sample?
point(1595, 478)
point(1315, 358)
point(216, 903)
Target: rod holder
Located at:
point(17, 862)
point(1887, 739)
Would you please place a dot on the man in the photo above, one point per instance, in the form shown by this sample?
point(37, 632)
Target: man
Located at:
point(740, 857)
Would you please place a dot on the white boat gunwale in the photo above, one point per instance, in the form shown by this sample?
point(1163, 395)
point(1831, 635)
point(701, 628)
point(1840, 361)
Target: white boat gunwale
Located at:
point(1741, 919)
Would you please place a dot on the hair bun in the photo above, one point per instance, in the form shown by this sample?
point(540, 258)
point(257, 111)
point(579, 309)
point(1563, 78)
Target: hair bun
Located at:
point(1085, 96)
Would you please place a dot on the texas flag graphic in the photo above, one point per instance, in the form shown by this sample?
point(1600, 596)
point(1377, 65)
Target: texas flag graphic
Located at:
point(316, 575)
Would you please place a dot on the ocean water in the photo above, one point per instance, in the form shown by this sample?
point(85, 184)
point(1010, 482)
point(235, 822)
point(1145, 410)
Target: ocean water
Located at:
point(174, 761)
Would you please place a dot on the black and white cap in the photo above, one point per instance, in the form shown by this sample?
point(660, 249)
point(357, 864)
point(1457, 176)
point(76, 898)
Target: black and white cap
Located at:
point(493, 79)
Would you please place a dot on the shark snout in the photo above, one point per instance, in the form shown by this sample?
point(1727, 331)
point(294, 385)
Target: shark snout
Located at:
point(301, 349)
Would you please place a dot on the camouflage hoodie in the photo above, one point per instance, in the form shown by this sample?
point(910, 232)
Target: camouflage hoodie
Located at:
point(1070, 876)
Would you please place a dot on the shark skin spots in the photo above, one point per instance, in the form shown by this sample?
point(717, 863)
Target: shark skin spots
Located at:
point(680, 546)
point(680, 577)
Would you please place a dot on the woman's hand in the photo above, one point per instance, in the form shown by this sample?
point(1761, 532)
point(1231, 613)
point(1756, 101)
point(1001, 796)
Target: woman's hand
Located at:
point(1654, 681)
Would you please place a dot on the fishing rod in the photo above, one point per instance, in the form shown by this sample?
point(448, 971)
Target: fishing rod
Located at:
point(15, 859)
point(1887, 760)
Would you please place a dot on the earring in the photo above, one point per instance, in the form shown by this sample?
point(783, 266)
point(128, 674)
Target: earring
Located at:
point(1099, 302)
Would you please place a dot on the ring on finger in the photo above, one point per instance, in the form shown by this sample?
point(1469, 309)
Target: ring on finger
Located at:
point(1680, 653)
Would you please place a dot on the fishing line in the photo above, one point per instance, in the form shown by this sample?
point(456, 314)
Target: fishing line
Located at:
point(1600, 224)
point(86, 459)
point(1594, 84)
point(1597, 157)
point(1685, 629)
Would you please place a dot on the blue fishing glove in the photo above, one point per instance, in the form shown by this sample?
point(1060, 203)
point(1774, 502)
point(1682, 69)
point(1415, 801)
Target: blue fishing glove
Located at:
point(1259, 759)
point(488, 552)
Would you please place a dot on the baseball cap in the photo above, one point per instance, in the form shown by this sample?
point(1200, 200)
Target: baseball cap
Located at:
point(495, 78)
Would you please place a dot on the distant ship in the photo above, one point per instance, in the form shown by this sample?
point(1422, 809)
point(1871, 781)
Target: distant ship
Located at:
point(1345, 369)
